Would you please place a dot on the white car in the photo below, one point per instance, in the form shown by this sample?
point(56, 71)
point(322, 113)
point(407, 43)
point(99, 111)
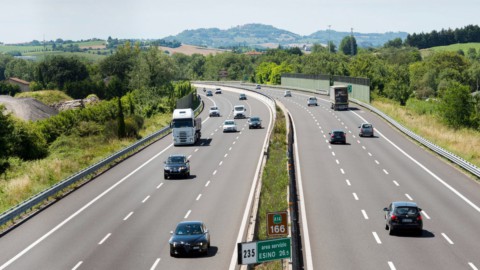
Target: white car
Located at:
point(229, 126)
point(218, 91)
point(287, 93)
point(214, 111)
point(312, 101)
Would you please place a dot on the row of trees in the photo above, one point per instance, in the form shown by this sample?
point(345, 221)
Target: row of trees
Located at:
point(469, 33)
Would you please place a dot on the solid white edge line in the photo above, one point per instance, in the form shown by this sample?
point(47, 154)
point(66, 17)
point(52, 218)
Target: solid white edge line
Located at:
point(77, 265)
point(391, 265)
point(155, 264)
point(61, 224)
point(447, 238)
point(243, 224)
point(375, 235)
point(456, 192)
point(127, 216)
point(472, 266)
point(104, 238)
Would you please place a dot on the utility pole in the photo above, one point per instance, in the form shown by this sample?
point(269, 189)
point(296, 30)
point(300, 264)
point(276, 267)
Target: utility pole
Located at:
point(351, 41)
point(329, 50)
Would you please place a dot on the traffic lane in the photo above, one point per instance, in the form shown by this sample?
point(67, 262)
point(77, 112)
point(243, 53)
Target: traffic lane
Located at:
point(329, 204)
point(414, 190)
point(104, 259)
point(75, 193)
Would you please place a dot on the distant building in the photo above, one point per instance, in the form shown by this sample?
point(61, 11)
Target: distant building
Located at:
point(24, 85)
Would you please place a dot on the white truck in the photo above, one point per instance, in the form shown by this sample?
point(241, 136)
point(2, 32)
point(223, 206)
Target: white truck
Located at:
point(186, 129)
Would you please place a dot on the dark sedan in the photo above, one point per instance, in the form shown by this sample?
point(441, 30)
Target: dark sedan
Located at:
point(254, 122)
point(176, 165)
point(338, 136)
point(189, 237)
point(403, 216)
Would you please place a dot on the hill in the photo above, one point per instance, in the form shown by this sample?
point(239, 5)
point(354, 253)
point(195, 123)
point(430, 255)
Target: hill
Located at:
point(260, 34)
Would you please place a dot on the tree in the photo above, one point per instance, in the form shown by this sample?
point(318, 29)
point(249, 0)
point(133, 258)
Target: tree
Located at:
point(152, 69)
point(394, 43)
point(346, 45)
point(6, 130)
point(397, 86)
point(456, 105)
point(58, 70)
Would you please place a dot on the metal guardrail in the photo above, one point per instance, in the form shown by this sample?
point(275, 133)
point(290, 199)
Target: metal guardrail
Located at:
point(437, 149)
point(41, 197)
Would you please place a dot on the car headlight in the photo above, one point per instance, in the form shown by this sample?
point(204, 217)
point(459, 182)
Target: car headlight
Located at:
point(167, 168)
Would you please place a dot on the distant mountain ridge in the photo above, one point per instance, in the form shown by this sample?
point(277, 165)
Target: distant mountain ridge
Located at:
point(259, 34)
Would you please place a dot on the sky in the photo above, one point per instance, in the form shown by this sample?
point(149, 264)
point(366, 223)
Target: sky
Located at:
point(27, 20)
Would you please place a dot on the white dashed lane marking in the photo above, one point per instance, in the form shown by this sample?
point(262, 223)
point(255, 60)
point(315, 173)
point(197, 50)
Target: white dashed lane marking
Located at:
point(77, 265)
point(392, 266)
point(146, 198)
point(104, 239)
point(447, 238)
point(129, 214)
point(425, 214)
point(375, 235)
point(355, 196)
point(199, 196)
point(364, 214)
point(188, 213)
point(155, 264)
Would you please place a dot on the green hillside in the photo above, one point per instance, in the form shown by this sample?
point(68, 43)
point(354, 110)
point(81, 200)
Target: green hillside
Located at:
point(452, 48)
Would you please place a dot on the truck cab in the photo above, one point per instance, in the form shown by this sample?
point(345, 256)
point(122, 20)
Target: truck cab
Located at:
point(186, 129)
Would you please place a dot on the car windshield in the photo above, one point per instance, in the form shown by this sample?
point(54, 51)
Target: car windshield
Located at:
point(406, 210)
point(367, 126)
point(254, 119)
point(242, 95)
point(180, 123)
point(238, 108)
point(189, 229)
point(213, 108)
point(176, 159)
point(229, 123)
point(338, 133)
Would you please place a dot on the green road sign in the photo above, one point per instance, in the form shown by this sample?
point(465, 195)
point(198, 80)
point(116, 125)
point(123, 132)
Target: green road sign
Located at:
point(275, 249)
point(264, 251)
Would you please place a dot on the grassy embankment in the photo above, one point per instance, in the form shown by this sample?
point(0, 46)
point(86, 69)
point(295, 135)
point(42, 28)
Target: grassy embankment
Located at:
point(417, 116)
point(452, 48)
point(67, 155)
point(275, 180)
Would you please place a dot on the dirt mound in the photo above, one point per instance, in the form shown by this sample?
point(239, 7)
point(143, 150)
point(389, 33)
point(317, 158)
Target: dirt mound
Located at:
point(27, 108)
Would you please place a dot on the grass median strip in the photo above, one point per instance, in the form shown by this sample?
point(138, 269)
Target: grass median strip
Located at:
point(273, 196)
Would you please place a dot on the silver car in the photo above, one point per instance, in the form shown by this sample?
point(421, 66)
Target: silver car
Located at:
point(366, 130)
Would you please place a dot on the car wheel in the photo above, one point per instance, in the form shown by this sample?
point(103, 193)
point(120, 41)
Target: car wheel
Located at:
point(386, 226)
point(165, 176)
point(390, 230)
point(172, 253)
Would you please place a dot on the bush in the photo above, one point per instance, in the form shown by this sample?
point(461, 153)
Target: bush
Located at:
point(29, 143)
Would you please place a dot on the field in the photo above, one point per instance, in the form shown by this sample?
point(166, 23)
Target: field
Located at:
point(452, 48)
point(93, 57)
point(190, 49)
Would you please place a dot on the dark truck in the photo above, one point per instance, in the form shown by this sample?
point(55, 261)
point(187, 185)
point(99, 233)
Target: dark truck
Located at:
point(339, 97)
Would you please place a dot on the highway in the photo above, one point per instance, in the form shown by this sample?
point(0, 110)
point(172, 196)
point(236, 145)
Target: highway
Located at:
point(123, 218)
point(344, 189)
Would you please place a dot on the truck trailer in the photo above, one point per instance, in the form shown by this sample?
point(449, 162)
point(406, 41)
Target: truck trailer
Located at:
point(186, 129)
point(339, 97)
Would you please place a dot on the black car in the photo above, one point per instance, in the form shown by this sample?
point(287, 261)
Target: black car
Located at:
point(338, 136)
point(403, 216)
point(189, 237)
point(176, 165)
point(209, 93)
point(254, 122)
point(242, 97)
